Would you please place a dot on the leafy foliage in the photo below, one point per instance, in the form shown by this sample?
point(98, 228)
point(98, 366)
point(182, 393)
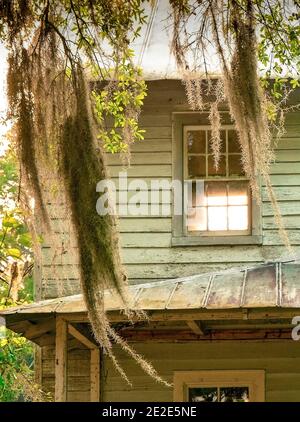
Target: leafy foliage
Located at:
point(16, 287)
point(121, 104)
point(16, 373)
point(15, 239)
point(279, 47)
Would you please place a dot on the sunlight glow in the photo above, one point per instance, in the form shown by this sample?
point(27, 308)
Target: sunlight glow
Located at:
point(222, 200)
point(220, 213)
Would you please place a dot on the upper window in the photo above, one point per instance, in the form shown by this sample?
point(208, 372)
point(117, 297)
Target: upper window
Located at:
point(218, 199)
point(217, 202)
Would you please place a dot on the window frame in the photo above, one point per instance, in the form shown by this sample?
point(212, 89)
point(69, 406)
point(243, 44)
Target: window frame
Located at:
point(254, 379)
point(186, 178)
point(180, 235)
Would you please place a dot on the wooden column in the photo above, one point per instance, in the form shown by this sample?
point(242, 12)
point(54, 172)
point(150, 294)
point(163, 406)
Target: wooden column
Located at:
point(61, 359)
point(38, 364)
point(95, 375)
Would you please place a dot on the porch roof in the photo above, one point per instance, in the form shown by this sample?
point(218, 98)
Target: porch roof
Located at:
point(269, 285)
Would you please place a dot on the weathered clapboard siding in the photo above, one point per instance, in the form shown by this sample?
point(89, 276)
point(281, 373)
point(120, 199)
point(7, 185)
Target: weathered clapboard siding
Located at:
point(288, 208)
point(281, 362)
point(287, 143)
point(143, 170)
point(142, 157)
point(290, 222)
point(137, 273)
point(285, 179)
point(145, 238)
point(78, 371)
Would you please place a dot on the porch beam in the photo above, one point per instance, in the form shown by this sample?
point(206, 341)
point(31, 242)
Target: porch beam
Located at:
point(61, 359)
point(187, 335)
point(81, 337)
point(196, 327)
point(197, 315)
point(40, 328)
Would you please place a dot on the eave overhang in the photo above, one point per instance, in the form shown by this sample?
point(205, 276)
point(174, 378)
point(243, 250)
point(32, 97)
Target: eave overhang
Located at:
point(263, 295)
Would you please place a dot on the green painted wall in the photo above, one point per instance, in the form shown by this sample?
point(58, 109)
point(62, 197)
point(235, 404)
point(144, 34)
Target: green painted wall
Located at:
point(281, 362)
point(146, 240)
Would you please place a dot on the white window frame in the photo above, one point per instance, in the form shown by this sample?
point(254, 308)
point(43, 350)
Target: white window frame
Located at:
point(180, 236)
point(219, 179)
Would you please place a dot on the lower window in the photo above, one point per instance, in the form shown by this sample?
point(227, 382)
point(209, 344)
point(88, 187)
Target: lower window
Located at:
point(219, 394)
point(219, 386)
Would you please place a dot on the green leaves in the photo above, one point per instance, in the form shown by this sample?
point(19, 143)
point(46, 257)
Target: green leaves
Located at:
point(279, 47)
point(10, 221)
point(119, 103)
point(271, 111)
point(295, 83)
point(16, 358)
point(16, 354)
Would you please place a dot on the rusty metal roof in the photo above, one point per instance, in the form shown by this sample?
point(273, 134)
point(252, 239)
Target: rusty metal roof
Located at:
point(275, 284)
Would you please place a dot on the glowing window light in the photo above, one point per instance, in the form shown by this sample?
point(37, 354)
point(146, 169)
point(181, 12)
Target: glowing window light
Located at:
point(238, 218)
point(217, 218)
point(228, 212)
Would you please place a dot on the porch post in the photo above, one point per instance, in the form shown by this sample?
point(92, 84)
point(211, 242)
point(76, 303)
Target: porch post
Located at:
point(61, 359)
point(95, 375)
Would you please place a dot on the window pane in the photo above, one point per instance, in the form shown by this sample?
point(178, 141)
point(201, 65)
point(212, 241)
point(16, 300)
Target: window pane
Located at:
point(223, 141)
point(233, 143)
point(234, 394)
point(217, 218)
point(197, 219)
point(238, 217)
point(197, 166)
point(197, 197)
point(203, 394)
point(216, 193)
point(235, 165)
point(196, 140)
point(221, 169)
point(238, 193)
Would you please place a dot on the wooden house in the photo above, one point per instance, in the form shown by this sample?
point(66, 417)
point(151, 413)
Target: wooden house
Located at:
point(220, 294)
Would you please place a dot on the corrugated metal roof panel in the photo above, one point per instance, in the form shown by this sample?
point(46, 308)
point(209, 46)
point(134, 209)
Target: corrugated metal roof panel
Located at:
point(261, 287)
point(274, 284)
point(226, 291)
point(290, 285)
point(189, 294)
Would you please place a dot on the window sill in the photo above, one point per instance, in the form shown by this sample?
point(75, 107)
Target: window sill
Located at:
point(216, 240)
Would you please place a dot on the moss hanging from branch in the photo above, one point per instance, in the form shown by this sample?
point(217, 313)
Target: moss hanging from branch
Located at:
point(248, 105)
point(246, 98)
point(82, 168)
point(19, 92)
point(97, 237)
point(231, 29)
point(56, 134)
